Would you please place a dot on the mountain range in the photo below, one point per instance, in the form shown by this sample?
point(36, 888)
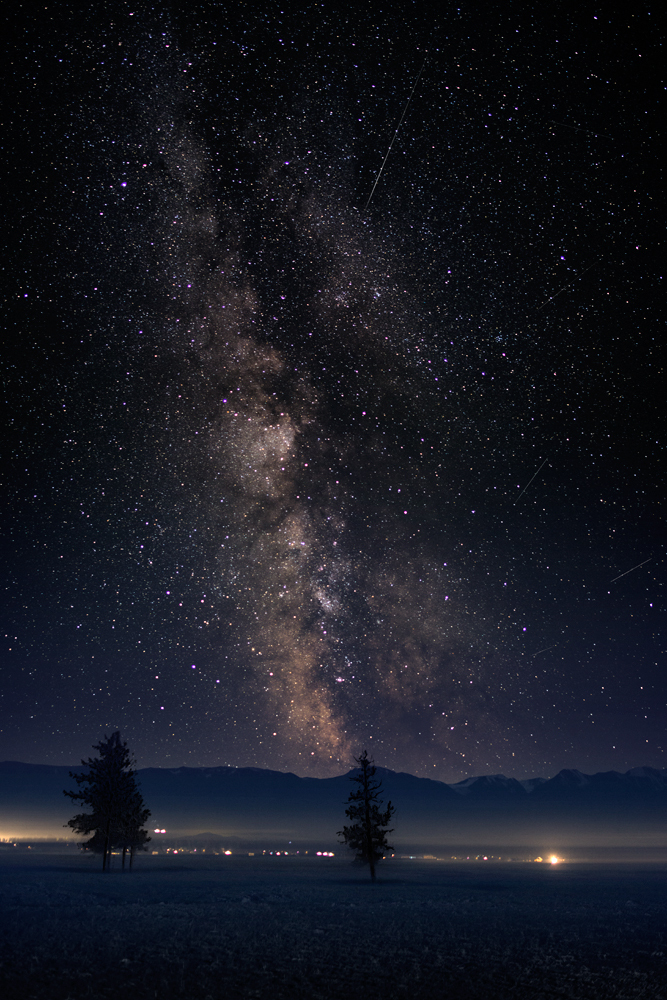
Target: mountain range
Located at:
point(260, 807)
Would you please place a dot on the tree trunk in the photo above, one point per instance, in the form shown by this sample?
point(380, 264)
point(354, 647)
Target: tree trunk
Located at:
point(105, 852)
point(369, 832)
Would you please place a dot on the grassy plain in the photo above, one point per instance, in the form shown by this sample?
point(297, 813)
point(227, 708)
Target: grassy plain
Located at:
point(309, 928)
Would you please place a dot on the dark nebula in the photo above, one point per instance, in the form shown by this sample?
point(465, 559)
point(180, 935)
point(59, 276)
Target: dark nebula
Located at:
point(289, 476)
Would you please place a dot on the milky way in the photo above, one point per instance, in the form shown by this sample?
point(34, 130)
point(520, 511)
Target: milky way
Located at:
point(341, 615)
point(322, 474)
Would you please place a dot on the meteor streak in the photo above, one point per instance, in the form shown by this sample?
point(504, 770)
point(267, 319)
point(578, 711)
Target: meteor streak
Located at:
point(529, 482)
point(576, 128)
point(565, 287)
point(395, 134)
point(631, 570)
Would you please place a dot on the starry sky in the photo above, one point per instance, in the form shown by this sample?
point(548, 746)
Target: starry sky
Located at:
point(332, 387)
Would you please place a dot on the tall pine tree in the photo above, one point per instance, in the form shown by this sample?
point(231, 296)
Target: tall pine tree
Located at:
point(368, 833)
point(117, 808)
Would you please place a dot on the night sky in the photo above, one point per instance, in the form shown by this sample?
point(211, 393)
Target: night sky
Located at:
point(289, 472)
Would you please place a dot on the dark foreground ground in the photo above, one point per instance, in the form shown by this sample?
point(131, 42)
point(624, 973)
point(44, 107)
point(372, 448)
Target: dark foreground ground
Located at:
point(221, 928)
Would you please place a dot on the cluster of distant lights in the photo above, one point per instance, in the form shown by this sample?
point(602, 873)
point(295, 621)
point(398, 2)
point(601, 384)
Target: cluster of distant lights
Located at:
point(181, 850)
point(251, 854)
point(553, 859)
point(320, 854)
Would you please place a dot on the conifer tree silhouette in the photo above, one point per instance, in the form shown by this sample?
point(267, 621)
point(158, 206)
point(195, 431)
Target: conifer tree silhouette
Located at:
point(367, 835)
point(117, 807)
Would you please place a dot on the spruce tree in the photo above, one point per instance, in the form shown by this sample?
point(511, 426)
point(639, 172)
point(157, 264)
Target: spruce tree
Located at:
point(368, 833)
point(117, 808)
point(130, 836)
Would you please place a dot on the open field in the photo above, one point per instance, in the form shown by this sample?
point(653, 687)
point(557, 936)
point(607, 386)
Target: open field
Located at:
point(208, 928)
